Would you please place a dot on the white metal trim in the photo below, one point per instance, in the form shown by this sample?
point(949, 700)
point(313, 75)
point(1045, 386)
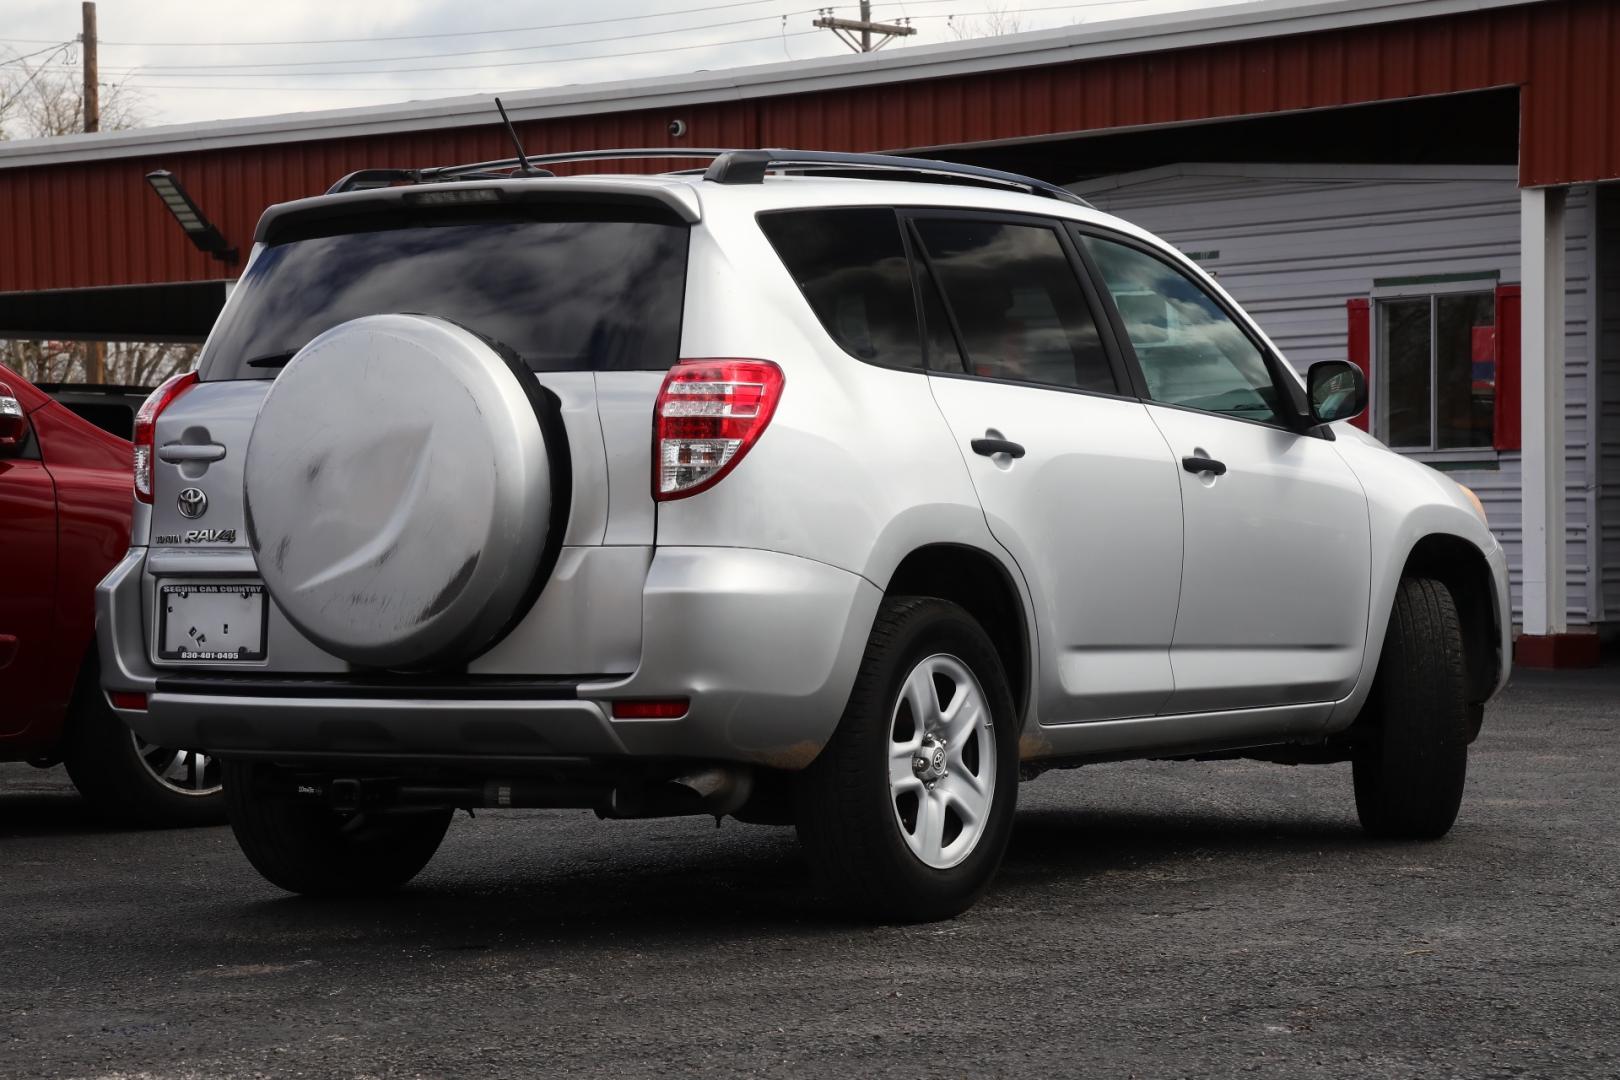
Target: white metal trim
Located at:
point(1542, 391)
point(1119, 37)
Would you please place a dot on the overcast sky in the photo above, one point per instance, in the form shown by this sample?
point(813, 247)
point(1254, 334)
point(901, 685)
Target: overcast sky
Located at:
point(209, 59)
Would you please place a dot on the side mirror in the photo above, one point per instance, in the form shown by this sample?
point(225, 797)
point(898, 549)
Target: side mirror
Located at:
point(1337, 390)
point(13, 424)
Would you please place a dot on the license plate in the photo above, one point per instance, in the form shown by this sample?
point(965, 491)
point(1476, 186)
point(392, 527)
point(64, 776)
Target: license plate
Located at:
point(217, 622)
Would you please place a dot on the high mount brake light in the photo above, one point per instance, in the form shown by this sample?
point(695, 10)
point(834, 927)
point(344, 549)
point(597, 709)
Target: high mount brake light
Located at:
point(146, 424)
point(709, 412)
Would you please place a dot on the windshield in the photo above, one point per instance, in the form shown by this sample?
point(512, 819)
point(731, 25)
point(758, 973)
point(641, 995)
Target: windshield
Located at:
point(574, 295)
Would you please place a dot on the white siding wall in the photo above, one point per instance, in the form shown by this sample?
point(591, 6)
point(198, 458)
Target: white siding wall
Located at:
point(1296, 242)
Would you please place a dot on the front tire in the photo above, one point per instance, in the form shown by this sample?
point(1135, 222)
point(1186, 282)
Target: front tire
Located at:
point(311, 849)
point(1409, 769)
point(907, 812)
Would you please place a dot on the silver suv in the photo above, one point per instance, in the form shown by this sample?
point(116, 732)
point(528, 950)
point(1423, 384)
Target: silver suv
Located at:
point(829, 490)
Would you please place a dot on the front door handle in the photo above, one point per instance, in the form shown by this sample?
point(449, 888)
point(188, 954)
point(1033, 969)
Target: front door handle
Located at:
point(991, 447)
point(1197, 463)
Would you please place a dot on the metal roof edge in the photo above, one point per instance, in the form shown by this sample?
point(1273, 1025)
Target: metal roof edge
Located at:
point(1087, 41)
point(1302, 171)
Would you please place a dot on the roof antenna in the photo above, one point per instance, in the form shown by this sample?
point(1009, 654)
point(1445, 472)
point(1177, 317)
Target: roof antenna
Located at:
point(525, 169)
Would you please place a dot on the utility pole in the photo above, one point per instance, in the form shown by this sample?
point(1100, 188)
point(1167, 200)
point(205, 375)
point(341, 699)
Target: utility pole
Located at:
point(92, 95)
point(95, 359)
point(846, 29)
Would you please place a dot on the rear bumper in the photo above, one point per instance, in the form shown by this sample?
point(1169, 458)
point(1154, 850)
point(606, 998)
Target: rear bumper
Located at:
point(764, 645)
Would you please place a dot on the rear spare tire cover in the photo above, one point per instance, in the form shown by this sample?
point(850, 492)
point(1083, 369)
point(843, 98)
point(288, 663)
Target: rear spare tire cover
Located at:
point(397, 492)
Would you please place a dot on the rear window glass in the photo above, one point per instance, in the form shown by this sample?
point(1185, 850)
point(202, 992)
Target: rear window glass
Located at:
point(851, 267)
point(575, 295)
point(1018, 305)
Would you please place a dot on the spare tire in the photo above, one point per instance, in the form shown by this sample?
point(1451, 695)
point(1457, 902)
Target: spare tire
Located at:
point(397, 491)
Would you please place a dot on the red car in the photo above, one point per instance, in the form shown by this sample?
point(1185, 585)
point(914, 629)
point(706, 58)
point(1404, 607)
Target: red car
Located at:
point(65, 504)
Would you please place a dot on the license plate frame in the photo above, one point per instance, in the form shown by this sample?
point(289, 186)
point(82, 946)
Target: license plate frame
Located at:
point(212, 602)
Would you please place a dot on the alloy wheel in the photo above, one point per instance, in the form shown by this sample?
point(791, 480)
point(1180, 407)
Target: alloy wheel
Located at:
point(942, 761)
point(184, 772)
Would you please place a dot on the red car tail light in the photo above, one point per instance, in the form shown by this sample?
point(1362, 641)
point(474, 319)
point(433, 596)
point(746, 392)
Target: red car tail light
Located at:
point(127, 699)
point(146, 424)
point(709, 412)
point(650, 709)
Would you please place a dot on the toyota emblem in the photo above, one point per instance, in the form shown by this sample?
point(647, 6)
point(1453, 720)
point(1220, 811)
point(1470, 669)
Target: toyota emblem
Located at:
point(193, 503)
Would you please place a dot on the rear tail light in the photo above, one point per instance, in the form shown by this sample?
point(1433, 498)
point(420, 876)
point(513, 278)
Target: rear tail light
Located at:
point(709, 412)
point(146, 423)
point(650, 709)
point(127, 699)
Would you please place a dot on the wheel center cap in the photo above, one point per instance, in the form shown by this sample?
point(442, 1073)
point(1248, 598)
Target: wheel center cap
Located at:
point(929, 762)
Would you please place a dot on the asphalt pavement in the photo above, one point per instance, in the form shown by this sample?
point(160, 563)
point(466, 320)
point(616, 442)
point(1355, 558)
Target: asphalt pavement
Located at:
point(1152, 919)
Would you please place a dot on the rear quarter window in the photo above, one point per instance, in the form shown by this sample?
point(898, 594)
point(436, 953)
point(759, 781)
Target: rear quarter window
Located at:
point(582, 294)
point(851, 266)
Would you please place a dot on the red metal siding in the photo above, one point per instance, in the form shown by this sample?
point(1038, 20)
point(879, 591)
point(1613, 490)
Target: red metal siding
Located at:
point(98, 224)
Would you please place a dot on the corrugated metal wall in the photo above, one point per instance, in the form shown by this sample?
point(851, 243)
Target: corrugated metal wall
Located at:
point(1295, 244)
point(97, 224)
point(1608, 447)
point(77, 226)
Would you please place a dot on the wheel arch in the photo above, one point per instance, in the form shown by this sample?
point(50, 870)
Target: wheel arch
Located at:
point(1463, 569)
point(986, 588)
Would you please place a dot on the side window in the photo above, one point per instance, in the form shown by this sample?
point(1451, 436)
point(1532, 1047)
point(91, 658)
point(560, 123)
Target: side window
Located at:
point(851, 267)
point(1190, 350)
point(1017, 303)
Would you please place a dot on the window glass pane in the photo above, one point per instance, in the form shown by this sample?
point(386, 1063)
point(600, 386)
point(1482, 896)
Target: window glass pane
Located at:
point(1405, 362)
point(1465, 370)
point(1017, 303)
point(1190, 351)
point(851, 267)
point(565, 295)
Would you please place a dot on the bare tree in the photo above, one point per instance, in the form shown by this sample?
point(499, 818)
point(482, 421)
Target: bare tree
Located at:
point(994, 21)
point(44, 100)
point(126, 363)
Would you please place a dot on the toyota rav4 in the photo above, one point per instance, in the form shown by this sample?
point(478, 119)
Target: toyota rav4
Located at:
point(838, 491)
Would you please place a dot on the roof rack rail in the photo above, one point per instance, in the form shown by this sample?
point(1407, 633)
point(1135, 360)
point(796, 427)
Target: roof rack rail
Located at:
point(750, 167)
point(491, 170)
point(726, 167)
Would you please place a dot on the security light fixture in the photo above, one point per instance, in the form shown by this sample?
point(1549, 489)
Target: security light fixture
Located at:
point(191, 219)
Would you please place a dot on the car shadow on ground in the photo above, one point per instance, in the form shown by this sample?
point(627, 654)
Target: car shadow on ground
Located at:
point(42, 809)
point(760, 886)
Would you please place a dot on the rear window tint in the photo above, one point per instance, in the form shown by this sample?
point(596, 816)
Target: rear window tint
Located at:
point(574, 295)
point(1019, 308)
point(851, 267)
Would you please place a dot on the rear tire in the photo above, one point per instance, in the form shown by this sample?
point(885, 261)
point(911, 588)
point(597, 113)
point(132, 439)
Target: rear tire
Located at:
point(876, 818)
point(311, 849)
point(1410, 768)
point(128, 781)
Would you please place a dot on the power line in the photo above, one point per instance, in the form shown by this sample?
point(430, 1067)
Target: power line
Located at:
point(181, 68)
point(455, 67)
point(428, 37)
point(38, 70)
point(55, 47)
point(233, 71)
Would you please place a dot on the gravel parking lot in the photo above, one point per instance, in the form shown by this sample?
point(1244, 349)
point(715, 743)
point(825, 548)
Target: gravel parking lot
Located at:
point(1151, 920)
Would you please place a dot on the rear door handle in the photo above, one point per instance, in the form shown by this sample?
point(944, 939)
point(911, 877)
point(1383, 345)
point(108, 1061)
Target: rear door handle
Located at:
point(1196, 464)
point(178, 453)
point(991, 447)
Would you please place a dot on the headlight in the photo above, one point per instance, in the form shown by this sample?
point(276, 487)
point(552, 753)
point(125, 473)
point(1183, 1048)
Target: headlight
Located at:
point(1479, 507)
